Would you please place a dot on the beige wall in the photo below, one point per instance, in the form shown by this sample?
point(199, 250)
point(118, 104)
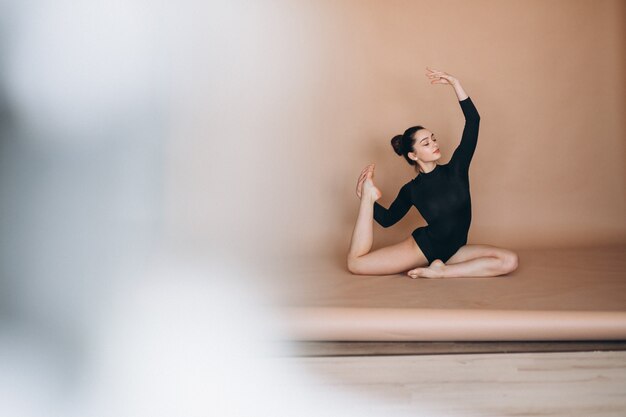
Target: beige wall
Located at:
point(283, 104)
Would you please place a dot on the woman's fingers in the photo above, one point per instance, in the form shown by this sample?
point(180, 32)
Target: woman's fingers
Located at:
point(362, 178)
point(366, 170)
point(433, 72)
point(441, 75)
point(441, 79)
point(436, 77)
point(364, 174)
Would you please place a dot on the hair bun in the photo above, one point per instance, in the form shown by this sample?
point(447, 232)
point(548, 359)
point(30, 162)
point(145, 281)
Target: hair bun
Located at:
point(396, 142)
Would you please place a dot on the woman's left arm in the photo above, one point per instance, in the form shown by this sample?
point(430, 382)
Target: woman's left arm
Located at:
point(462, 156)
point(458, 89)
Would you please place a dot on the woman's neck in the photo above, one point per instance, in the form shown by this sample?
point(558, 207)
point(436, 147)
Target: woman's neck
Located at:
point(426, 167)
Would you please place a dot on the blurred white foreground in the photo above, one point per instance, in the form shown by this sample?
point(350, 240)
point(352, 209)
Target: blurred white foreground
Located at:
point(96, 317)
point(177, 339)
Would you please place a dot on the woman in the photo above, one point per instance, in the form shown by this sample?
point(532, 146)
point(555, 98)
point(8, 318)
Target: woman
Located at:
point(441, 194)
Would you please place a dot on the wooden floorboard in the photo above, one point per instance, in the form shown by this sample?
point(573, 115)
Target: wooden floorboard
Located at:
point(329, 349)
point(567, 384)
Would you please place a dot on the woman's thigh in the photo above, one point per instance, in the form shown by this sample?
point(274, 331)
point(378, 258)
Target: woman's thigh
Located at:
point(393, 259)
point(469, 252)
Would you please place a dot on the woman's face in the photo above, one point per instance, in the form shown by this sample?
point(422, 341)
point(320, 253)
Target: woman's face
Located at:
point(426, 148)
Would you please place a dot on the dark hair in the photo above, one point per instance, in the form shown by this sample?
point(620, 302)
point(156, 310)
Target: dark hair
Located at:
point(403, 144)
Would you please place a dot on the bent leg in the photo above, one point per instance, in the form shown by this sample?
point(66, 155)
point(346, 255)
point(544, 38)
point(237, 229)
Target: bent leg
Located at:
point(388, 260)
point(472, 261)
point(507, 260)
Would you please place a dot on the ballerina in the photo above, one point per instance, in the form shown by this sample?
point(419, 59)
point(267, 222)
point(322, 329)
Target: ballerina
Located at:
point(441, 194)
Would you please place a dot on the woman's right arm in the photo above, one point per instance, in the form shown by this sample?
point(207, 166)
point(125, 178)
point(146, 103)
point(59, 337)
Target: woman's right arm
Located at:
point(396, 211)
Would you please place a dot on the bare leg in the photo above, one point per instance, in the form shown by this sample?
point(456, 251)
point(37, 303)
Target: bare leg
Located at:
point(385, 261)
point(363, 234)
point(471, 261)
point(479, 267)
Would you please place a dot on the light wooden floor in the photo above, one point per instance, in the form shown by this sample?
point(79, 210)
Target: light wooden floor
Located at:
point(568, 384)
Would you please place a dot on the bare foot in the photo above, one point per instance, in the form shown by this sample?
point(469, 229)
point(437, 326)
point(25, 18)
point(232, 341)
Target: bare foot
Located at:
point(369, 189)
point(434, 270)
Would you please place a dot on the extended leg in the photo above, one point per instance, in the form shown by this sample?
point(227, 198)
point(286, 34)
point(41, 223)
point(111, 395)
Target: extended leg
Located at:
point(363, 234)
point(389, 260)
point(385, 261)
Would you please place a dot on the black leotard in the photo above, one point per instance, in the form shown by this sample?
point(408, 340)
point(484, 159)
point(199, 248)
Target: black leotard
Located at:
point(442, 197)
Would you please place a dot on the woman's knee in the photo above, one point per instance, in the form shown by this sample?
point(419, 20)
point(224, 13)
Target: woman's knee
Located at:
point(354, 265)
point(510, 261)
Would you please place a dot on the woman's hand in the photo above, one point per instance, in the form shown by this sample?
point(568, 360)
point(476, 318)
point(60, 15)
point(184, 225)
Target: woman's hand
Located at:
point(359, 185)
point(440, 77)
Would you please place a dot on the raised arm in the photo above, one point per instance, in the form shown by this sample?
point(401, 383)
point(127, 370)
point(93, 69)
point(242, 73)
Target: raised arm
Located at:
point(462, 156)
point(396, 211)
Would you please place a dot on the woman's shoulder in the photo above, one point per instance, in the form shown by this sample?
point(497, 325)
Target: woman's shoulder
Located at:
point(408, 185)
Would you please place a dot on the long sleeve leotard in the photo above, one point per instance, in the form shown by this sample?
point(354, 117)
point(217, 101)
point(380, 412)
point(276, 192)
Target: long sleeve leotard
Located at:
point(442, 197)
